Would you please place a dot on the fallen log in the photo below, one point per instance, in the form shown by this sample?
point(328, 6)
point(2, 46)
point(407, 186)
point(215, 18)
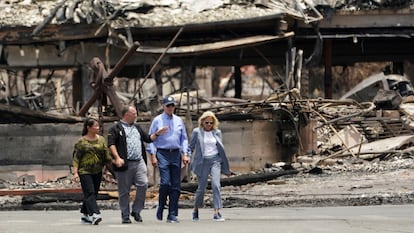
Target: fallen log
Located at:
point(58, 197)
point(242, 179)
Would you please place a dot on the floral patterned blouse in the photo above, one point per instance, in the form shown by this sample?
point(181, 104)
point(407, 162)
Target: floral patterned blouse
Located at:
point(91, 156)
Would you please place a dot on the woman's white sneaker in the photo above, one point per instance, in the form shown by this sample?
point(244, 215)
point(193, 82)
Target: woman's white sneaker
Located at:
point(96, 219)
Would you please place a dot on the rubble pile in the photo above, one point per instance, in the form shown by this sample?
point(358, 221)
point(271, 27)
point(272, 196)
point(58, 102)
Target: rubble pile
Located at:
point(124, 13)
point(157, 13)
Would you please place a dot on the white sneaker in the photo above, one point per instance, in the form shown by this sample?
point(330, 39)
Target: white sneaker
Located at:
point(218, 218)
point(96, 219)
point(85, 219)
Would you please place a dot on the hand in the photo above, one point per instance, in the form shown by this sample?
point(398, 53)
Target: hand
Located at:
point(75, 177)
point(161, 131)
point(154, 161)
point(186, 160)
point(119, 162)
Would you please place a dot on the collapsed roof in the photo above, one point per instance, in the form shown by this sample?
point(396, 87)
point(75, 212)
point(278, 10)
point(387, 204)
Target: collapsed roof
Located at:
point(161, 13)
point(120, 23)
point(129, 13)
point(270, 24)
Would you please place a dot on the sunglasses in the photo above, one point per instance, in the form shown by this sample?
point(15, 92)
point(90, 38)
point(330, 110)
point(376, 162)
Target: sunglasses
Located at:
point(208, 122)
point(170, 105)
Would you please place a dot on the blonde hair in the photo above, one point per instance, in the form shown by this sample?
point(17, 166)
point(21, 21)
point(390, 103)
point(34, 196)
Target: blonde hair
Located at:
point(208, 114)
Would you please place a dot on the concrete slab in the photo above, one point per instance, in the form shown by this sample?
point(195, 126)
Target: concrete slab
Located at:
point(365, 219)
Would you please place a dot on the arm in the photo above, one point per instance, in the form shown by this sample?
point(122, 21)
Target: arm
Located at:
point(219, 135)
point(148, 138)
point(106, 158)
point(225, 168)
point(112, 137)
point(184, 144)
point(118, 161)
point(75, 163)
point(151, 147)
point(193, 141)
point(152, 131)
point(109, 162)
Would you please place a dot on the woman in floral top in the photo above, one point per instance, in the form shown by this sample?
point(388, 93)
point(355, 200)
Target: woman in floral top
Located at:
point(90, 155)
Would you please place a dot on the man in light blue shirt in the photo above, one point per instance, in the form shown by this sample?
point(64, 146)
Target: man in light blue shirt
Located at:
point(168, 151)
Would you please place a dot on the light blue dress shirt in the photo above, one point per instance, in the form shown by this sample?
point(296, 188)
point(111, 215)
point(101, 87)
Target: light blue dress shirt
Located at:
point(174, 138)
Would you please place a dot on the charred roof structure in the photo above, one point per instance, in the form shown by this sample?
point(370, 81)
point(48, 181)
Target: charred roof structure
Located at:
point(55, 34)
point(70, 33)
point(63, 25)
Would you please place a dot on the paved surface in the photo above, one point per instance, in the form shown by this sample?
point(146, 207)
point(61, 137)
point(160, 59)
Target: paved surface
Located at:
point(361, 219)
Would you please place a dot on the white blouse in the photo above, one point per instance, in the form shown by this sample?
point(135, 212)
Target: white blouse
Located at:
point(210, 145)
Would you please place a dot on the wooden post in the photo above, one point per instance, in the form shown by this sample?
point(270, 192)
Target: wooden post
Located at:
point(237, 82)
point(328, 69)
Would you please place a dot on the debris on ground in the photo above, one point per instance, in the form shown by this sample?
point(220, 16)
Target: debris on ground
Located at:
point(363, 156)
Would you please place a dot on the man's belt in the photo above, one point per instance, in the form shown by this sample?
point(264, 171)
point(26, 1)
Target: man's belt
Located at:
point(168, 150)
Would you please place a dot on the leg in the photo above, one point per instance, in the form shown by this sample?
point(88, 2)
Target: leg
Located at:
point(83, 209)
point(216, 187)
point(165, 184)
point(141, 184)
point(215, 184)
point(202, 185)
point(175, 176)
point(96, 217)
point(124, 184)
point(202, 179)
point(89, 195)
point(97, 178)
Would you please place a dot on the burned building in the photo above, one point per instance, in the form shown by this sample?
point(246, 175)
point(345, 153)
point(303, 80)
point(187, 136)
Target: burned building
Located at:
point(52, 43)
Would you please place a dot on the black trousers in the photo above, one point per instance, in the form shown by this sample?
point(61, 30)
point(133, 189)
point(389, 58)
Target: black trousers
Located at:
point(90, 184)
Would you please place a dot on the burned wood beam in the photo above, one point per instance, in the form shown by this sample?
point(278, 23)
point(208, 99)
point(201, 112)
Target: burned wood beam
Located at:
point(90, 102)
point(216, 46)
point(369, 107)
point(22, 192)
point(103, 81)
point(50, 33)
point(242, 179)
point(121, 63)
point(48, 18)
point(22, 115)
point(58, 197)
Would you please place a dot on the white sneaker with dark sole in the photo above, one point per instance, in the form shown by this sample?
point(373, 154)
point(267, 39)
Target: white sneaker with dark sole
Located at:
point(85, 219)
point(96, 219)
point(218, 218)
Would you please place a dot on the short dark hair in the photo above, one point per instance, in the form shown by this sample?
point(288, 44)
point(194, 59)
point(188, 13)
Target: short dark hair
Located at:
point(125, 109)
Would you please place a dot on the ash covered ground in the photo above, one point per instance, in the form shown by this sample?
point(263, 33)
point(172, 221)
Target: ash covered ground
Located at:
point(344, 182)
